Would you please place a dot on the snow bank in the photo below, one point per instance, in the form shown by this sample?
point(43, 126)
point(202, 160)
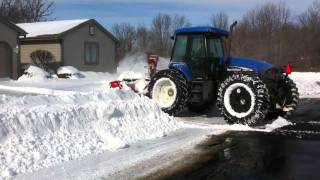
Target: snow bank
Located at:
point(34, 73)
point(278, 123)
point(69, 72)
point(41, 131)
point(308, 84)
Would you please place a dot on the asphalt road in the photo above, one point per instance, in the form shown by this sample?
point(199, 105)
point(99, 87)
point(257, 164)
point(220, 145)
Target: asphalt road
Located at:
point(292, 152)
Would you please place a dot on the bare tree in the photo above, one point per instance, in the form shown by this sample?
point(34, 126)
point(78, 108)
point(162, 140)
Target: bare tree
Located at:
point(311, 17)
point(26, 10)
point(262, 33)
point(309, 23)
point(142, 38)
point(220, 20)
point(162, 28)
point(179, 21)
point(126, 34)
point(161, 33)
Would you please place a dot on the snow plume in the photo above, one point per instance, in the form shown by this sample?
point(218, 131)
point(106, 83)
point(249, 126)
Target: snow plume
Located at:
point(135, 66)
point(41, 131)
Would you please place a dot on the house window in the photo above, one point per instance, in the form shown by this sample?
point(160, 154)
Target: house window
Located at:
point(91, 30)
point(91, 53)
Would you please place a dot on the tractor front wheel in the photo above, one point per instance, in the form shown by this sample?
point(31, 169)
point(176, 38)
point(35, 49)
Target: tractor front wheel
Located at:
point(169, 89)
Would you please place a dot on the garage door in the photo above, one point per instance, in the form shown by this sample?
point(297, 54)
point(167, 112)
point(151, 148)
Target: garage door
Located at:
point(5, 61)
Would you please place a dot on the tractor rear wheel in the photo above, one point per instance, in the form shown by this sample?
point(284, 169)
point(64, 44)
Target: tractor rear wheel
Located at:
point(243, 99)
point(169, 89)
point(290, 101)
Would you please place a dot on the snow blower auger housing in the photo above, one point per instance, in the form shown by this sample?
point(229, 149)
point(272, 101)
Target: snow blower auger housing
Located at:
point(202, 72)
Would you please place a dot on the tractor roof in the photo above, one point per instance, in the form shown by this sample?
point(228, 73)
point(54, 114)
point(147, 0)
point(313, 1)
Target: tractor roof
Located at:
point(202, 29)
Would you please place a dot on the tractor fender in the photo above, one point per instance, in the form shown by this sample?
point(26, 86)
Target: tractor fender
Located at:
point(183, 68)
point(248, 64)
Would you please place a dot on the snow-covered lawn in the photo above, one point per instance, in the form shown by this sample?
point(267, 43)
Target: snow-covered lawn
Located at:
point(308, 84)
point(78, 120)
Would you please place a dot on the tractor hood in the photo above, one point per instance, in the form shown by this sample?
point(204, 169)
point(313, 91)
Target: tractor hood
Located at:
point(253, 64)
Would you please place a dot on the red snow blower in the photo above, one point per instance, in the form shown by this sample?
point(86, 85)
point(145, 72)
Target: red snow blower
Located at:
point(152, 67)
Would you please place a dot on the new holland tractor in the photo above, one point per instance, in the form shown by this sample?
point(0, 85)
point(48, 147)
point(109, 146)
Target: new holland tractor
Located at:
point(202, 72)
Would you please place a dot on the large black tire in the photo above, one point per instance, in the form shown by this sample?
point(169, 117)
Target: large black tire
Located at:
point(181, 86)
point(243, 99)
point(291, 99)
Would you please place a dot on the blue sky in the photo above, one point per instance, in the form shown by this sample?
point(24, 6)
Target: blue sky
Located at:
point(136, 12)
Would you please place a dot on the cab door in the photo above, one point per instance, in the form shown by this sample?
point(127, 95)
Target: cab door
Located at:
point(215, 51)
point(196, 56)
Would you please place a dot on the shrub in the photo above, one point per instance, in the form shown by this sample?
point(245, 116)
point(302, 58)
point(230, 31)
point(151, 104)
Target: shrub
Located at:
point(42, 58)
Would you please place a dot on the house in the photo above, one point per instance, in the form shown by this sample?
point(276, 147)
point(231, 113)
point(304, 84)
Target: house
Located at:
point(9, 49)
point(83, 44)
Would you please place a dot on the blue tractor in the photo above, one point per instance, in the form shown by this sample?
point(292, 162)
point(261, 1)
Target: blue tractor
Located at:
point(202, 72)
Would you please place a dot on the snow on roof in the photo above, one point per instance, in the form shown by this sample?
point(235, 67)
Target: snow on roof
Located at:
point(50, 27)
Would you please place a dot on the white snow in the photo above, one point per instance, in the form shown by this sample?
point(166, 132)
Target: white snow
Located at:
point(278, 123)
point(72, 72)
point(108, 164)
point(41, 131)
point(50, 27)
point(308, 84)
point(34, 73)
point(136, 66)
point(133, 67)
point(67, 70)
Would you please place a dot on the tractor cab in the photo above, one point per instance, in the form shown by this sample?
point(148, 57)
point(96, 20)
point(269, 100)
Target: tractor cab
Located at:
point(200, 50)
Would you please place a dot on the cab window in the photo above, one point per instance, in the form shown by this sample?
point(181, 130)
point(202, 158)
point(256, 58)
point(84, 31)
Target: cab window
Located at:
point(197, 47)
point(215, 47)
point(180, 48)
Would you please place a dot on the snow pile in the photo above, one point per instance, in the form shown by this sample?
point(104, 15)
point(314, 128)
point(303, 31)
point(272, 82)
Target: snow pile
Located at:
point(50, 27)
point(34, 73)
point(41, 131)
point(308, 84)
point(69, 72)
